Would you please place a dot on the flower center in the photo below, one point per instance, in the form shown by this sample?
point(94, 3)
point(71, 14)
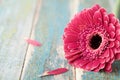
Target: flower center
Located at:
point(95, 41)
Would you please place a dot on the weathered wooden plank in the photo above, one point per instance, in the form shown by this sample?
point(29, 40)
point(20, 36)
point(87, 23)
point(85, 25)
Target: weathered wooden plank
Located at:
point(53, 17)
point(117, 8)
point(15, 24)
point(84, 75)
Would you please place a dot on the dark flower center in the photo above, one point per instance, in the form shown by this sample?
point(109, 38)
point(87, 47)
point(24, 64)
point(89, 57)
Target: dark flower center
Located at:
point(95, 41)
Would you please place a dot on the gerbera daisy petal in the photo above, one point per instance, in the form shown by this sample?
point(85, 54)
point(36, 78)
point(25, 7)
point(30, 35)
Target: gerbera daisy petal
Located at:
point(105, 54)
point(89, 17)
point(95, 64)
point(106, 24)
point(105, 16)
point(102, 61)
point(69, 39)
point(107, 59)
point(83, 62)
point(117, 32)
point(116, 50)
point(111, 60)
point(108, 67)
point(112, 34)
point(97, 17)
point(111, 27)
point(111, 53)
point(112, 44)
point(118, 37)
point(101, 66)
point(117, 25)
point(117, 43)
point(75, 57)
point(112, 18)
point(96, 7)
point(117, 56)
point(97, 69)
point(89, 65)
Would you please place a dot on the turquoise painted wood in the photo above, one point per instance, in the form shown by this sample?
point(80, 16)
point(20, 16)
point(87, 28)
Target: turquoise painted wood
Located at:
point(53, 17)
point(15, 24)
point(117, 9)
point(42, 20)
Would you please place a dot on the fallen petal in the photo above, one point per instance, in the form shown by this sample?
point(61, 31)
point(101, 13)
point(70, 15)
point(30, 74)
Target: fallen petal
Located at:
point(33, 42)
point(54, 72)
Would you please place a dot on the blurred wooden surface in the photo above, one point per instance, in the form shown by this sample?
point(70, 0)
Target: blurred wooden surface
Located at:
point(42, 20)
point(16, 17)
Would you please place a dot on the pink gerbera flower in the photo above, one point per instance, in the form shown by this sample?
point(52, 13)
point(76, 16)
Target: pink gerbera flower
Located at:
point(92, 40)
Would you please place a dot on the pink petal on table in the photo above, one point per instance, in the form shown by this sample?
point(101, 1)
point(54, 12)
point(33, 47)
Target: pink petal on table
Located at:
point(54, 72)
point(33, 42)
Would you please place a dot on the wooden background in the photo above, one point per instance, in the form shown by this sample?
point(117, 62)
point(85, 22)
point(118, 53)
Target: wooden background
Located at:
point(42, 20)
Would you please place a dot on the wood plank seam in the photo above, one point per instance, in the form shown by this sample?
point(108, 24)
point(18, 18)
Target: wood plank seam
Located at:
point(74, 6)
point(35, 19)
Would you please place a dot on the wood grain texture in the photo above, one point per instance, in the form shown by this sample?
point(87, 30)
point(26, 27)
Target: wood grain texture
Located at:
point(53, 17)
point(117, 9)
point(15, 24)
